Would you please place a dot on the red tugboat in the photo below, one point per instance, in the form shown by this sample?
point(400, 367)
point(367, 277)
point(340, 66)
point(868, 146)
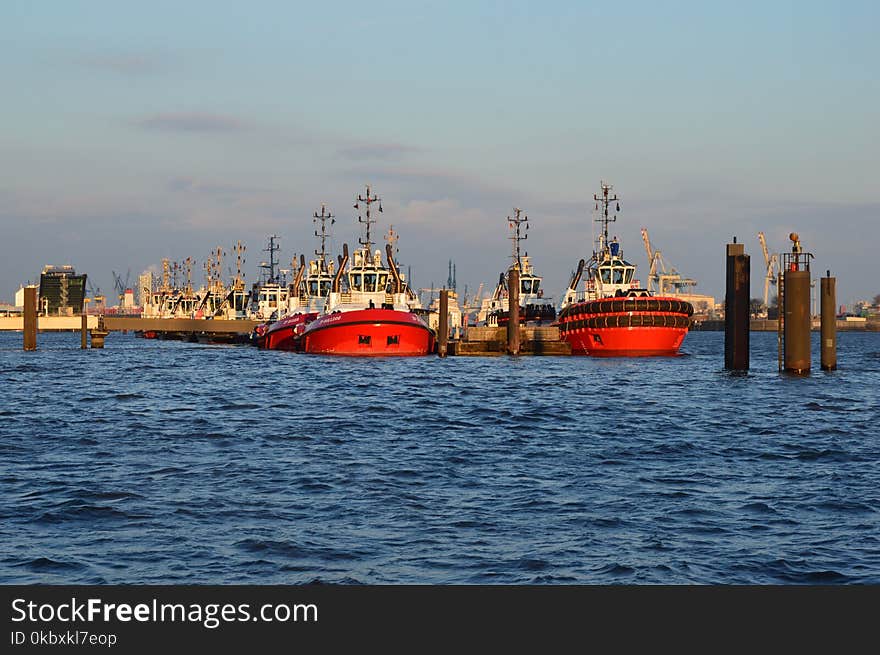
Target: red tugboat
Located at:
point(613, 316)
point(306, 296)
point(373, 315)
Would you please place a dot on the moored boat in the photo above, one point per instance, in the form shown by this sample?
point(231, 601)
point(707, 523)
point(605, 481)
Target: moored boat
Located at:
point(534, 308)
point(370, 312)
point(305, 298)
point(613, 315)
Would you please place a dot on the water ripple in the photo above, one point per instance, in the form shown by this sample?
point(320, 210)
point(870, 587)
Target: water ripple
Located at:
point(162, 462)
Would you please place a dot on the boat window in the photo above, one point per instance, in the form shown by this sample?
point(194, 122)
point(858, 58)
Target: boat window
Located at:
point(629, 275)
point(605, 274)
point(618, 275)
point(526, 286)
point(325, 288)
point(383, 282)
point(369, 282)
point(356, 281)
point(364, 339)
point(394, 339)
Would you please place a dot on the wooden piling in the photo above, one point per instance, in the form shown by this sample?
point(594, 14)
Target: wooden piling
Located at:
point(30, 318)
point(443, 326)
point(513, 310)
point(83, 332)
point(828, 324)
point(736, 308)
point(796, 337)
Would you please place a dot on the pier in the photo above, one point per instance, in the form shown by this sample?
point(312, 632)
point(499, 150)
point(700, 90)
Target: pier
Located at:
point(493, 341)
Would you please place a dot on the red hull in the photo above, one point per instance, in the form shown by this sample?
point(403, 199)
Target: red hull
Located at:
point(369, 333)
point(626, 342)
point(631, 327)
point(284, 334)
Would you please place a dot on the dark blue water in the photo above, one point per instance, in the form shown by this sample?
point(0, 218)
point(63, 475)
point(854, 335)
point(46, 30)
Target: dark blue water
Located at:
point(167, 462)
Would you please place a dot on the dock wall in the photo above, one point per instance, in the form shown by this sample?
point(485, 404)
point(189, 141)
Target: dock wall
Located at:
point(48, 323)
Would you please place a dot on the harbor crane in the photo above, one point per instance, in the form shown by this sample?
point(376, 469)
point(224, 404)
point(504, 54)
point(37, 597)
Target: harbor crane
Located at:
point(121, 286)
point(96, 294)
point(772, 268)
point(667, 281)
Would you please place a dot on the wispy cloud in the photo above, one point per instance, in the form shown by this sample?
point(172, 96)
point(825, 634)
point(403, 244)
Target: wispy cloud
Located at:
point(192, 122)
point(128, 64)
point(192, 185)
point(382, 151)
point(413, 183)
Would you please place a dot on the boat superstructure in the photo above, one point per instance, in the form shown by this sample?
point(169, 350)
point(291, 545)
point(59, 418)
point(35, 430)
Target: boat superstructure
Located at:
point(534, 307)
point(173, 295)
point(269, 295)
point(613, 314)
point(370, 309)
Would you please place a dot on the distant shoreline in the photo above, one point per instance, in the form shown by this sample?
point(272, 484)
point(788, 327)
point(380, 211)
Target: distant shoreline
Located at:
point(767, 325)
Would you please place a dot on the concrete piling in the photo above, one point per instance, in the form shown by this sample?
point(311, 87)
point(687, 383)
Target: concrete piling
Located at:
point(736, 308)
point(828, 324)
point(443, 326)
point(30, 318)
point(513, 311)
point(99, 334)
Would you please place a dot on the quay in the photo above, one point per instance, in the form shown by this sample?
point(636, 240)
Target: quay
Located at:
point(48, 323)
point(180, 325)
point(184, 329)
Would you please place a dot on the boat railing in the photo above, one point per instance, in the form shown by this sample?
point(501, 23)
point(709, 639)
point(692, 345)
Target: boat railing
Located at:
point(581, 295)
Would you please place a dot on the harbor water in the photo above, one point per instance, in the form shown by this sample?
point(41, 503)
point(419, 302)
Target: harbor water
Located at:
point(160, 462)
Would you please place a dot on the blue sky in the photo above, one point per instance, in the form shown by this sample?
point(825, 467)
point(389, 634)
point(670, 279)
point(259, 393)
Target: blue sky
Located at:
point(137, 131)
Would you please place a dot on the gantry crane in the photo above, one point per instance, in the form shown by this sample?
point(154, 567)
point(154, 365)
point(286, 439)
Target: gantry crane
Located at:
point(772, 267)
point(652, 260)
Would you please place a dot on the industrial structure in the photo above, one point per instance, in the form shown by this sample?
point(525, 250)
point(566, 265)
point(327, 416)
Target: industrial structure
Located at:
point(661, 280)
point(62, 292)
point(665, 280)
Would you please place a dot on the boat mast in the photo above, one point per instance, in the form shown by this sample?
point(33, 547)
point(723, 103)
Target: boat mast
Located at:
point(187, 263)
point(369, 199)
point(603, 202)
point(238, 282)
point(323, 235)
point(216, 275)
point(166, 275)
point(273, 263)
point(516, 224)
